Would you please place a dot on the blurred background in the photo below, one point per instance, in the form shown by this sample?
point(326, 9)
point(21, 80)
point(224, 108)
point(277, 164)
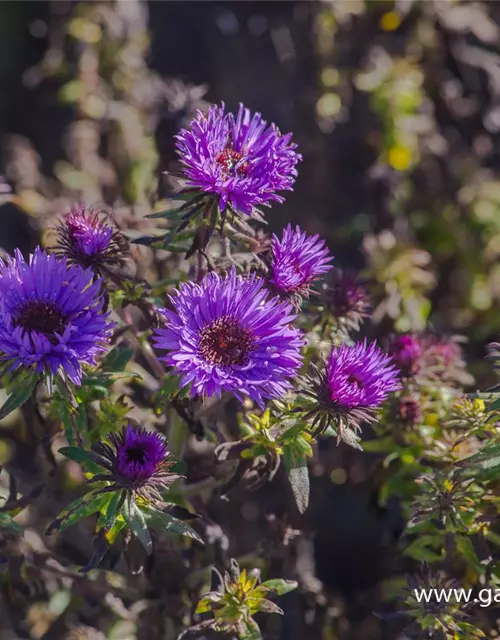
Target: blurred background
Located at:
point(395, 107)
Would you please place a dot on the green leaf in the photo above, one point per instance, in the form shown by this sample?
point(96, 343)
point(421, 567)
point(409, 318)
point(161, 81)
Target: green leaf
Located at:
point(280, 586)
point(161, 521)
point(494, 406)
point(21, 394)
point(114, 506)
point(6, 522)
point(486, 459)
point(83, 457)
point(78, 509)
point(136, 522)
point(466, 549)
point(117, 359)
point(298, 476)
point(267, 606)
point(249, 630)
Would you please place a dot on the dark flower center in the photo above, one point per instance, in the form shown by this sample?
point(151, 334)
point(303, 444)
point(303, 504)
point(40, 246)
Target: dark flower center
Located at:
point(228, 159)
point(136, 454)
point(40, 316)
point(354, 379)
point(225, 342)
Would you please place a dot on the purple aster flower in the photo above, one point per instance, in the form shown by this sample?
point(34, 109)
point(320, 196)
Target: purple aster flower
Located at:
point(86, 238)
point(136, 460)
point(239, 160)
point(224, 334)
point(356, 380)
point(297, 261)
point(360, 376)
point(51, 315)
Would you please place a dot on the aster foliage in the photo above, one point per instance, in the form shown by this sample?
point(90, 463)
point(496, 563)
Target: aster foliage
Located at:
point(236, 597)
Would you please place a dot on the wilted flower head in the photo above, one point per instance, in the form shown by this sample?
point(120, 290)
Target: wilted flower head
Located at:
point(409, 410)
point(137, 460)
point(347, 298)
point(430, 357)
point(406, 351)
point(355, 382)
point(51, 315)
point(297, 261)
point(241, 161)
point(224, 334)
point(85, 237)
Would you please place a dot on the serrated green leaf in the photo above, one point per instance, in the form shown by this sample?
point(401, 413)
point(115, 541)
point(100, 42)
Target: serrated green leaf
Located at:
point(136, 522)
point(83, 457)
point(161, 521)
point(19, 396)
point(298, 476)
point(280, 586)
point(77, 510)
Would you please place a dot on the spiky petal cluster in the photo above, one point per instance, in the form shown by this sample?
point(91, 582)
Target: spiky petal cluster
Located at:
point(240, 160)
point(137, 460)
point(225, 334)
point(348, 391)
point(297, 261)
point(51, 315)
point(85, 237)
point(360, 376)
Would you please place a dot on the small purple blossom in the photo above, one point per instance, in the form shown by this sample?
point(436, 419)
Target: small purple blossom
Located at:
point(239, 159)
point(360, 376)
point(139, 453)
point(85, 237)
point(297, 261)
point(136, 460)
point(225, 334)
point(51, 315)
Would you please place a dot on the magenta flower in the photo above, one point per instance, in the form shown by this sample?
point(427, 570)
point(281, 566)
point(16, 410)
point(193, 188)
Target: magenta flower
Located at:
point(360, 376)
point(239, 160)
point(354, 383)
point(225, 334)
